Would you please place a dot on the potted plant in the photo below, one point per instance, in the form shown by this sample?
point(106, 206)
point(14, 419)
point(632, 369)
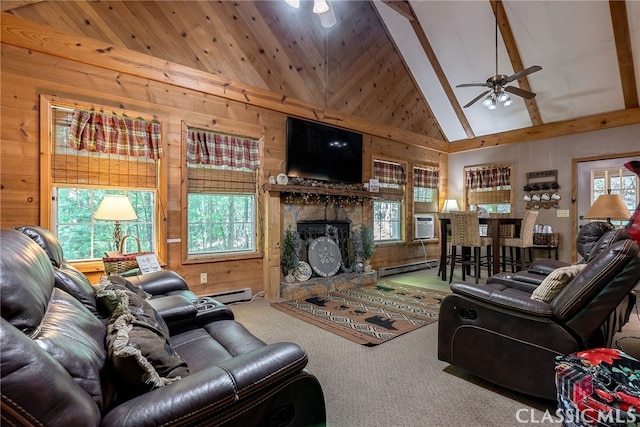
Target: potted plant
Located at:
point(368, 249)
point(290, 254)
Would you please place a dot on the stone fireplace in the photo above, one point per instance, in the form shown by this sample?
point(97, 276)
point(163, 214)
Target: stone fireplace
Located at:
point(324, 217)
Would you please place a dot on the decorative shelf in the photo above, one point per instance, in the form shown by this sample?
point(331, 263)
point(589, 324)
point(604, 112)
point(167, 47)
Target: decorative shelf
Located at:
point(317, 190)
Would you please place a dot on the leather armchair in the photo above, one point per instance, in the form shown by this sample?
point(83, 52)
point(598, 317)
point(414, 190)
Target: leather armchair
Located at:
point(501, 334)
point(58, 370)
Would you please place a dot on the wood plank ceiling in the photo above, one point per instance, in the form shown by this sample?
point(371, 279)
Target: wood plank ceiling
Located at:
point(356, 67)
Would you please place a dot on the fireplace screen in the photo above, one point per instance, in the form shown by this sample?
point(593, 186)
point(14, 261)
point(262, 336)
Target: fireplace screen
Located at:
point(338, 231)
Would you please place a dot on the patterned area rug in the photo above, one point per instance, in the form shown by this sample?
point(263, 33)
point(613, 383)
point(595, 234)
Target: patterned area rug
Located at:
point(369, 315)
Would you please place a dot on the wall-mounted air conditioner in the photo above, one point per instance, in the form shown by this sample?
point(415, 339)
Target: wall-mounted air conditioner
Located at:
point(423, 225)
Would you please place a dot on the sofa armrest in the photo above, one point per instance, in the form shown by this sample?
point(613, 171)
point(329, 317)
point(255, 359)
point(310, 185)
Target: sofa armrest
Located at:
point(505, 297)
point(174, 308)
point(160, 282)
point(546, 266)
point(202, 394)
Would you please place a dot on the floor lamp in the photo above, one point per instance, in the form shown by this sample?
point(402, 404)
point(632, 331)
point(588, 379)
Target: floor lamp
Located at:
point(116, 208)
point(608, 206)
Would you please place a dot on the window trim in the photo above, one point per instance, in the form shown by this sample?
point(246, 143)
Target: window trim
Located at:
point(402, 200)
point(47, 102)
point(236, 128)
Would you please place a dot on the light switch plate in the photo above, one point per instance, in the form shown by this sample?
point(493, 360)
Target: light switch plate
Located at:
point(564, 213)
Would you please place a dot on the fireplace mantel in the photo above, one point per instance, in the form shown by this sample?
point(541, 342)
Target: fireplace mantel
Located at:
point(307, 189)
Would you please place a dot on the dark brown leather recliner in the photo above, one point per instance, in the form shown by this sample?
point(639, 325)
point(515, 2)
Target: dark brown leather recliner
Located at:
point(58, 368)
point(501, 334)
point(592, 239)
point(169, 292)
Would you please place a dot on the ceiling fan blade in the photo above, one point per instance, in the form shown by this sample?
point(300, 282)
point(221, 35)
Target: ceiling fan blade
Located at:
point(472, 85)
point(520, 92)
point(474, 100)
point(523, 73)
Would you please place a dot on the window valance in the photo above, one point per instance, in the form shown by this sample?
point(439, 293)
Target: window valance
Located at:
point(426, 178)
point(225, 151)
point(389, 172)
point(96, 131)
point(490, 177)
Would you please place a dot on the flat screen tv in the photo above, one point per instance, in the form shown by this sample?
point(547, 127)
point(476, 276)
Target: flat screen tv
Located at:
point(323, 152)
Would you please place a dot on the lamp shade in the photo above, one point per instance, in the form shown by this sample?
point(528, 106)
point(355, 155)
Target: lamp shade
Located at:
point(115, 208)
point(450, 205)
point(608, 206)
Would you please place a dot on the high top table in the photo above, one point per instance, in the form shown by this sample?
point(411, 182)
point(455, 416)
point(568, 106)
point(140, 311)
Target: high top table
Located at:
point(493, 231)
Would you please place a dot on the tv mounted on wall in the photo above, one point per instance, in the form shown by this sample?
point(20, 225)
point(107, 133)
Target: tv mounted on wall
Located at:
point(323, 152)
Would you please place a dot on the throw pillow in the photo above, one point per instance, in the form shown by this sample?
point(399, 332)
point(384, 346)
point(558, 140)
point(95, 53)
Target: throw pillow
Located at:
point(556, 281)
point(138, 340)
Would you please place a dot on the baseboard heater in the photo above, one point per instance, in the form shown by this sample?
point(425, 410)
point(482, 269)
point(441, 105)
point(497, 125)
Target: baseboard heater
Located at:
point(237, 295)
point(405, 268)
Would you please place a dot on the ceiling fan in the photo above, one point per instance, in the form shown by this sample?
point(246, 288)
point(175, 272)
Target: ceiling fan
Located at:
point(497, 84)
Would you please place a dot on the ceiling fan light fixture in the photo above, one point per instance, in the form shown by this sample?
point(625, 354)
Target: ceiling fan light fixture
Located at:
point(487, 101)
point(320, 6)
point(493, 105)
point(328, 18)
point(508, 102)
point(293, 3)
point(503, 96)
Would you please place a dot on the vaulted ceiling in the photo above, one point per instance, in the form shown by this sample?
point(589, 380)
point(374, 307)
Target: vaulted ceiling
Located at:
point(394, 62)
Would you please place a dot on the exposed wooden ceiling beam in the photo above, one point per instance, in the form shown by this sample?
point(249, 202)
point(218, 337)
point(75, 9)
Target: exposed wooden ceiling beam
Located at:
point(514, 56)
point(442, 78)
point(625, 54)
point(402, 7)
point(551, 130)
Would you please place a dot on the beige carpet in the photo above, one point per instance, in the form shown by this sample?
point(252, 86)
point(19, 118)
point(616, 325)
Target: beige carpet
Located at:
point(401, 383)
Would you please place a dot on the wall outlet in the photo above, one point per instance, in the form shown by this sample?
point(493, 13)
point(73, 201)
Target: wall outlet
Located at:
point(563, 213)
point(203, 278)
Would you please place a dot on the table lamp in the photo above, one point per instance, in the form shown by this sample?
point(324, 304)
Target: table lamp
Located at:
point(450, 205)
point(608, 206)
point(116, 208)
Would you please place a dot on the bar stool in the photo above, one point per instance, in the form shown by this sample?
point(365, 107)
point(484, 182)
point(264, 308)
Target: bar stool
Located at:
point(465, 232)
point(520, 243)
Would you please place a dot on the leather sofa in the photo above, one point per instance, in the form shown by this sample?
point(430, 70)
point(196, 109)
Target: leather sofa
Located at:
point(500, 333)
point(70, 355)
point(169, 293)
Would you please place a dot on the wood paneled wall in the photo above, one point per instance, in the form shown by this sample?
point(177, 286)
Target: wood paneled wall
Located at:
point(27, 75)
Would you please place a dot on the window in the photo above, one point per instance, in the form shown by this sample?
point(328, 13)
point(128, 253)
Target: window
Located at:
point(426, 182)
point(84, 238)
point(620, 181)
point(221, 193)
point(489, 187)
point(93, 154)
point(387, 210)
point(387, 220)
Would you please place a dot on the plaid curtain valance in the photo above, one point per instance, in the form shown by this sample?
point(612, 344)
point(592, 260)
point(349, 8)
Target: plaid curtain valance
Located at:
point(389, 173)
point(107, 133)
point(209, 148)
point(426, 178)
point(498, 176)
